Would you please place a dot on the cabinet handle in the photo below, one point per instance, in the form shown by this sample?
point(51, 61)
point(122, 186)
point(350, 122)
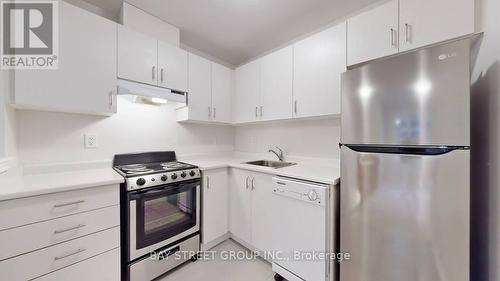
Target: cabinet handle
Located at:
point(256, 112)
point(393, 37)
point(209, 112)
point(208, 182)
point(407, 33)
point(69, 255)
point(161, 75)
point(295, 106)
point(246, 181)
point(261, 110)
point(111, 99)
point(69, 204)
point(215, 112)
point(253, 186)
point(153, 73)
point(69, 229)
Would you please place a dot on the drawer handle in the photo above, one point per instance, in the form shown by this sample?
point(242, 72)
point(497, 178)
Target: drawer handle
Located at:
point(69, 229)
point(69, 255)
point(69, 204)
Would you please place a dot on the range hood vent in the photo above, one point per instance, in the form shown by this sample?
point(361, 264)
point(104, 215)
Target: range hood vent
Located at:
point(126, 87)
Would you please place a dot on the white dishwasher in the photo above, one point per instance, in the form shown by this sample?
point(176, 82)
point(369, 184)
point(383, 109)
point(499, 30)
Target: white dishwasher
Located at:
point(304, 223)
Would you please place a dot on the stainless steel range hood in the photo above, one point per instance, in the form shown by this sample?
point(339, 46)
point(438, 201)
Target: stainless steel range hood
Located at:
point(126, 87)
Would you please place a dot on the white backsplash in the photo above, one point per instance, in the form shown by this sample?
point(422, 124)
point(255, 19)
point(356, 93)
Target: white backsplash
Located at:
point(305, 138)
point(47, 137)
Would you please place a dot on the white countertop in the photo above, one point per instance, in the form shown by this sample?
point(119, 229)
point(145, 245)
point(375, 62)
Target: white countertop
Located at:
point(18, 186)
point(318, 170)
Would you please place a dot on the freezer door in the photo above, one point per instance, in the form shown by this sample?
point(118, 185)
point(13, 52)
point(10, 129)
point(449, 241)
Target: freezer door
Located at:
point(418, 98)
point(405, 217)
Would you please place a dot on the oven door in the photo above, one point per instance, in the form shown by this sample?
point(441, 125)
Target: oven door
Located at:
point(162, 215)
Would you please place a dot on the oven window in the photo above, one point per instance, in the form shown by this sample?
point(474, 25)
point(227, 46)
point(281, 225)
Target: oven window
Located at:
point(165, 215)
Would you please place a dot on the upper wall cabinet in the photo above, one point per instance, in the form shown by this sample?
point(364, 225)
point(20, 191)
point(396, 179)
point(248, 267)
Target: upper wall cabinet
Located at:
point(172, 67)
point(247, 99)
point(85, 81)
point(276, 85)
point(423, 22)
point(318, 62)
point(209, 92)
point(389, 29)
point(146, 60)
point(373, 34)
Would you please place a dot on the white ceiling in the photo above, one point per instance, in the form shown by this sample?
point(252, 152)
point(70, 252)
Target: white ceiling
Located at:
point(236, 31)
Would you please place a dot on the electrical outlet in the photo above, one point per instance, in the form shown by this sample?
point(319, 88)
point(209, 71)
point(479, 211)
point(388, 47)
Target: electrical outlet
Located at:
point(90, 141)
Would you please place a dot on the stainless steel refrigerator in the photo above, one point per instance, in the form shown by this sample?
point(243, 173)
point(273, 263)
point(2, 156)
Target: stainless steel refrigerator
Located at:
point(405, 157)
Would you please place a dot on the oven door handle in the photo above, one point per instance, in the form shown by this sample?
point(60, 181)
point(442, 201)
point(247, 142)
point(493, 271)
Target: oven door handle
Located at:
point(173, 189)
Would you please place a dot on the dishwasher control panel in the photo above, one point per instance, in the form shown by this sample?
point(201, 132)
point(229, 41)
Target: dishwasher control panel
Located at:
point(314, 193)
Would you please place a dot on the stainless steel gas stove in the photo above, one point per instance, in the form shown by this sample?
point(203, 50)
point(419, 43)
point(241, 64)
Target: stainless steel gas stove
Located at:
point(160, 210)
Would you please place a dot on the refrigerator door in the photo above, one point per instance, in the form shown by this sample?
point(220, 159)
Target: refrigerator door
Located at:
point(417, 98)
point(405, 217)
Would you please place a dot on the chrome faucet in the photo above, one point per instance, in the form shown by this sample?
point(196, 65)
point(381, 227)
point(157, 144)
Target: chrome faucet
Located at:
point(278, 154)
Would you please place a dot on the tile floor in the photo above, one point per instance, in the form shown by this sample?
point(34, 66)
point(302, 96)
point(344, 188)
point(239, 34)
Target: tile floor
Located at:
point(222, 270)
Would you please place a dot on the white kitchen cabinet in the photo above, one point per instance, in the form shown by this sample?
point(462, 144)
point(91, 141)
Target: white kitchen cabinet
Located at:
point(261, 193)
point(137, 56)
point(276, 85)
point(247, 98)
point(318, 62)
point(373, 34)
point(221, 93)
point(250, 204)
point(424, 22)
point(240, 205)
point(172, 67)
point(199, 89)
point(85, 81)
point(215, 205)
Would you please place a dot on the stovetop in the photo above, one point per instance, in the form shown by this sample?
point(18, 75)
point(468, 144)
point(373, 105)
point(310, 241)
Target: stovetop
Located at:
point(151, 169)
point(132, 170)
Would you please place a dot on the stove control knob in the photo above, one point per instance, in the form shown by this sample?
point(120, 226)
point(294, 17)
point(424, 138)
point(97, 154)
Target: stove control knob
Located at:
point(140, 181)
point(173, 176)
point(183, 174)
point(312, 195)
point(164, 178)
point(192, 173)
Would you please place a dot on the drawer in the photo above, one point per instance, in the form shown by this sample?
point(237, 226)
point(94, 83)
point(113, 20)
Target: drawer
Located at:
point(43, 261)
point(21, 239)
point(105, 266)
point(18, 212)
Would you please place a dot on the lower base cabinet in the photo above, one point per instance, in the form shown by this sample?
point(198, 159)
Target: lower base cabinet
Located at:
point(105, 266)
point(249, 207)
point(215, 205)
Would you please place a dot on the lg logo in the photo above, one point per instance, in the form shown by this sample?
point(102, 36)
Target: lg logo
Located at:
point(29, 33)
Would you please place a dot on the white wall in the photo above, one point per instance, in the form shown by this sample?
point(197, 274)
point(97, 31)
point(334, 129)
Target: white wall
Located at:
point(486, 146)
point(46, 137)
point(307, 138)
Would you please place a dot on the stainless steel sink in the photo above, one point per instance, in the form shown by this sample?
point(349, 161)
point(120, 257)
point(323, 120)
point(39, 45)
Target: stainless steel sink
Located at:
point(271, 164)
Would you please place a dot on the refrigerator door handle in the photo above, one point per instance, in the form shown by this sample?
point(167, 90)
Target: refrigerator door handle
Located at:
point(412, 150)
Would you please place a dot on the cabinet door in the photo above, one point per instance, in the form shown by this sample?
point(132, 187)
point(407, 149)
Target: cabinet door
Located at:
point(424, 22)
point(373, 34)
point(137, 56)
point(221, 93)
point(247, 92)
point(215, 204)
point(239, 204)
point(276, 85)
point(318, 62)
point(86, 79)
point(200, 88)
point(261, 187)
point(172, 67)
